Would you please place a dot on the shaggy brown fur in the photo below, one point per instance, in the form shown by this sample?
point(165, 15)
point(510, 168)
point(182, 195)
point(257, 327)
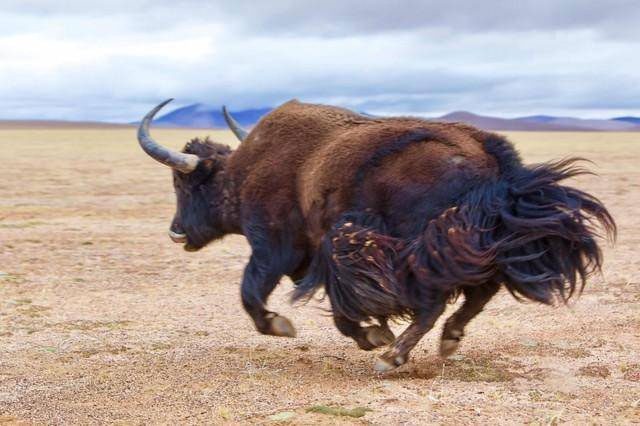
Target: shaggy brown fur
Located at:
point(310, 155)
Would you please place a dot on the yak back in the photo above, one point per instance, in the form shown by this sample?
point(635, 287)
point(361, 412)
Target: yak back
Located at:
point(266, 166)
point(320, 161)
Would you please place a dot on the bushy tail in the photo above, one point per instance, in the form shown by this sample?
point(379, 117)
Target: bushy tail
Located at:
point(526, 230)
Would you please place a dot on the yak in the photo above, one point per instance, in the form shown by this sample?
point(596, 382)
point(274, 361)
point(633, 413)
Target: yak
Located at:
point(392, 217)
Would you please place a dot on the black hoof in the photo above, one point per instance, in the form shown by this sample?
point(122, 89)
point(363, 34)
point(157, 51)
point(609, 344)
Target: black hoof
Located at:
point(277, 325)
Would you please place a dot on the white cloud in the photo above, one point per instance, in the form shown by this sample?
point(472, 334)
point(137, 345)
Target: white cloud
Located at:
point(114, 60)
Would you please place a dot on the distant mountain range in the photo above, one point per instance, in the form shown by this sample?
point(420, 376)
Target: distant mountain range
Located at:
point(204, 116)
point(545, 123)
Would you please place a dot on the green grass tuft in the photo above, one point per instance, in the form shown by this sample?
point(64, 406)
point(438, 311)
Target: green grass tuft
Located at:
point(339, 411)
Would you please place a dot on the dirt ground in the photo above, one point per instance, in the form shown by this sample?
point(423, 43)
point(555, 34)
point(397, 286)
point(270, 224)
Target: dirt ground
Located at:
point(104, 320)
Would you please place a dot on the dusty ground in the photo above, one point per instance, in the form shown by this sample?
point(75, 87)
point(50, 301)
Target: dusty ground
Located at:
point(104, 320)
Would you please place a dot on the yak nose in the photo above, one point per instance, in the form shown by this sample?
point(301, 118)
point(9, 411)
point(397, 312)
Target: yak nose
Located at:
point(177, 237)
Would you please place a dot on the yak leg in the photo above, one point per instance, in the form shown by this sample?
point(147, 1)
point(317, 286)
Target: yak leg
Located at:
point(257, 284)
point(367, 338)
point(475, 298)
point(380, 335)
point(383, 333)
point(422, 323)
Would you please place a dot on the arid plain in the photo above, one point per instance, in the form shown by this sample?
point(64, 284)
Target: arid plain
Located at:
point(104, 320)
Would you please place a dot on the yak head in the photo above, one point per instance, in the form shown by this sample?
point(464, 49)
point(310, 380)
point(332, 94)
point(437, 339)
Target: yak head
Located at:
point(201, 196)
point(202, 190)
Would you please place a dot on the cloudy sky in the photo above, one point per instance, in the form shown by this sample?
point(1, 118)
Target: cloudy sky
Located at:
point(71, 60)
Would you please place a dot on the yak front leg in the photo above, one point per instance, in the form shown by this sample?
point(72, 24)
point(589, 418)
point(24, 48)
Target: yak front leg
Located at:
point(257, 284)
point(398, 353)
point(475, 299)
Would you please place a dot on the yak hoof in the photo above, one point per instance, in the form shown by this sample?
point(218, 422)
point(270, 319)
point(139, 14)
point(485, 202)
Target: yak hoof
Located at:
point(383, 365)
point(448, 347)
point(380, 336)
point(449, 342)
point(281, 326)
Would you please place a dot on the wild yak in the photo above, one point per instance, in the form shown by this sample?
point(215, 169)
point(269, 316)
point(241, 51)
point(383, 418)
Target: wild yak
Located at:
point(393, 217)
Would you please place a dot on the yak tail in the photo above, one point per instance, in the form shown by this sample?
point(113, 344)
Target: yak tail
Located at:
point(525, 230)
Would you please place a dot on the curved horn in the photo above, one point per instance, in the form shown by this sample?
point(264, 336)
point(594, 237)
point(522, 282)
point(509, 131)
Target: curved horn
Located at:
point(186, 163)
point(240, 133)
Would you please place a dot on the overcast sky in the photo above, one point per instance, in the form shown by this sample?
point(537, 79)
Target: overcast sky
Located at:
point(79, 61)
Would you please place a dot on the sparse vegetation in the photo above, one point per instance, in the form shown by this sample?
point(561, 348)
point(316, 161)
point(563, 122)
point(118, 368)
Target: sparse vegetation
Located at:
point(479, 370)
point(11, 278)
point(631, 372)
point(22, 225)
point(339, 411)
point(595, 370)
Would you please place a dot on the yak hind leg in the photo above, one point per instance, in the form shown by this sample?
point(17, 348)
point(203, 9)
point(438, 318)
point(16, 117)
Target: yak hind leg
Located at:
point(424, 320)
point(475, 299)
point(380, 335)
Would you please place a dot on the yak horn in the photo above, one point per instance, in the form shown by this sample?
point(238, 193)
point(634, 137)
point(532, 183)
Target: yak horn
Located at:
point(186, 163)
point(240, 133)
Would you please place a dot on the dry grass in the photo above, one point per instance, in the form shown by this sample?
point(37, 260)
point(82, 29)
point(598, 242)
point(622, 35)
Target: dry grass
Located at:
point(103, 320)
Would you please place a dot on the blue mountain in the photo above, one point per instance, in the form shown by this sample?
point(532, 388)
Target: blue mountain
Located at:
point(207, 116)
point(634, 120)
point(538, 118)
